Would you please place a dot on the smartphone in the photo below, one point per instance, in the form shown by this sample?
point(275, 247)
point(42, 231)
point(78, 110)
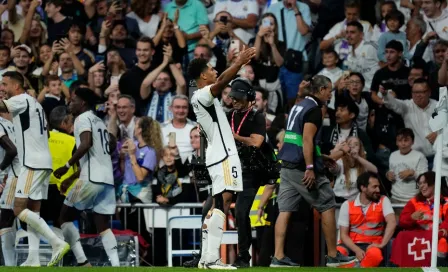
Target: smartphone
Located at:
point(223, 19)
point(346, 74)
point(172, 139)
point(101, 107)
point(235, 45)
point(266, 22)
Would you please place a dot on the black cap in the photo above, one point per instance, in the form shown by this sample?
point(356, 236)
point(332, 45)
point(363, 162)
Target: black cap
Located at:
point(240, 88)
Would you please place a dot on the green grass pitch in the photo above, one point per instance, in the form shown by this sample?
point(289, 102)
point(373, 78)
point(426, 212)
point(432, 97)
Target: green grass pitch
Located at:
point(176, 269)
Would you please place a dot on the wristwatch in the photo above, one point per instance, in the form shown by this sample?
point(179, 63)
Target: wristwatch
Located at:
point(298, 14)
point(176, 27)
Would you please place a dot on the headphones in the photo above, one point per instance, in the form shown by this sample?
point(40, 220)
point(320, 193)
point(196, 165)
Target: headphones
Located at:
point(249, 92)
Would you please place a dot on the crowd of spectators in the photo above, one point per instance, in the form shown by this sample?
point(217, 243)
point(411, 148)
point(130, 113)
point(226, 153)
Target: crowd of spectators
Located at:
point(386, 60)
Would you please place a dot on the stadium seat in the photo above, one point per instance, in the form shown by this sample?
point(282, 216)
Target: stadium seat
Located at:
point(180, 222)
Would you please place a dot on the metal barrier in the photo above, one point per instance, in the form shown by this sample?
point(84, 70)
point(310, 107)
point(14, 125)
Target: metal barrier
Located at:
point(153, 207)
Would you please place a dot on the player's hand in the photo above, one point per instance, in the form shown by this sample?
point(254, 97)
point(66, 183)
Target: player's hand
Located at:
point(360, 254)
point(246, 55)
point(65, 185)
point(60, 172)
point(309, 179)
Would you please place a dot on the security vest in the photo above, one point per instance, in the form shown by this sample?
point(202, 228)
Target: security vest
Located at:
point(254, 209)
point(292, 150)
point(427, 209)
point(61, 147)
point(369, 227)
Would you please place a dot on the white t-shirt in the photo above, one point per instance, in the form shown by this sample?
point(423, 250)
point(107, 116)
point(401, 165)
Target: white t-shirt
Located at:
point(240, 10)
point(363, 115)
point(364, 60)
point(343, 134)
point(7, 129)
point(148, 29)
point(404, 190)
point(333, 74)
point(344, 216)
point(182, 137)
point(214, 124)
point(96, 164)
point(30, 127)
point(340, 189)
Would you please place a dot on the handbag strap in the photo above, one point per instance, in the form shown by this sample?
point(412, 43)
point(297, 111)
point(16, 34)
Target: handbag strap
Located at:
point(282, 16)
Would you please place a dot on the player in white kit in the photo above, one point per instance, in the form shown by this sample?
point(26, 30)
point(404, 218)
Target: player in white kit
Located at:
point(9, 167)
point(30, 128)
point(94, 189)
point(221, 157)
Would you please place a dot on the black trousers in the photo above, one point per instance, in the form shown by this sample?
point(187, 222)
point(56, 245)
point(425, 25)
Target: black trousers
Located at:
point(243, 204)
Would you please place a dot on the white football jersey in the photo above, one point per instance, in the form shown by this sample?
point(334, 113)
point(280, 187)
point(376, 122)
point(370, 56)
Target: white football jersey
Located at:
point(7, 128)
point(96, 165)
point(214, 124)
point(30, 127)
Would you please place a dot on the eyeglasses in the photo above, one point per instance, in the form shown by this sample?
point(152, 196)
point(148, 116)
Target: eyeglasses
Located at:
point(355, 82)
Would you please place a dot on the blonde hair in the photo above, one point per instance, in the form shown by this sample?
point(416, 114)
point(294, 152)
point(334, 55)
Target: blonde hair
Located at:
point(346, 162)
point(152, 134)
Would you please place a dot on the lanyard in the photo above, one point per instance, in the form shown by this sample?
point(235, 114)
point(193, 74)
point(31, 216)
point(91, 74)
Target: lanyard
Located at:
point(241, 123)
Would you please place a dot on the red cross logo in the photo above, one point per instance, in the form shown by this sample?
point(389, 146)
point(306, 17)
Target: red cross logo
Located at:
point(418, 248)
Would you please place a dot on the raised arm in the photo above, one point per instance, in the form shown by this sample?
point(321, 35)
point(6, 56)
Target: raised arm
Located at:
point(227, 76)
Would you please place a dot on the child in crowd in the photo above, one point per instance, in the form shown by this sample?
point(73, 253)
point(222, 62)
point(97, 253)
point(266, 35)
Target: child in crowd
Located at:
point(169, 188)
point(51, 95)
point(405, 165)
point(330, 60)
point(381, 27)
point(394, 21)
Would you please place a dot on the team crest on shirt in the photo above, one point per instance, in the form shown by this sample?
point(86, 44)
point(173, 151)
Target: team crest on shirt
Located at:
point(445, 29)
point(363, 54)
point(245, 8)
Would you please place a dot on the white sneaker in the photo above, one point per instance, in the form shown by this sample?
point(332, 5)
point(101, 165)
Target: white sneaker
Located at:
point(58, 253)
point(30, 263)
point(201, 264)
point(219, 265)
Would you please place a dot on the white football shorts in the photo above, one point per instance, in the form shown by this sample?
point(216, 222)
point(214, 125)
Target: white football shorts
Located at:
point(227, 175)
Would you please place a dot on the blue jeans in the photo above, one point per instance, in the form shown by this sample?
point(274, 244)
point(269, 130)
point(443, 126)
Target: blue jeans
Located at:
point(290, 82)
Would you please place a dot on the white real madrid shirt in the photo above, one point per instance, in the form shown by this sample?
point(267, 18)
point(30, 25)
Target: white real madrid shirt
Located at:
point(96, 165)
point(7, 129)
point(214, 124)
point(30, 127)
point(364, 60)
point(341, 46)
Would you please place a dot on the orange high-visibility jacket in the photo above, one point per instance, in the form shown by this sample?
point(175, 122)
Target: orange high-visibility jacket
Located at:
point(368, 228)
point(406, 222)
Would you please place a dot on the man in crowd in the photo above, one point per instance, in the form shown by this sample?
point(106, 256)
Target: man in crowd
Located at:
point(364, 230)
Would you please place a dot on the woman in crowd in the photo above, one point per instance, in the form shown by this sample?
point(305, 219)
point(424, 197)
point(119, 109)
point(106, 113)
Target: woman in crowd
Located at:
point(169, 33)
point(349, 167)
point(146, 14)
point(418, 212)
point(269, 59)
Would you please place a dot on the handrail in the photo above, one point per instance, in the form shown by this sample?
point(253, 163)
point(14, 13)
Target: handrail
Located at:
point(156, 205)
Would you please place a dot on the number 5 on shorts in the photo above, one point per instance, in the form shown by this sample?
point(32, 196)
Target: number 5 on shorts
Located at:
point(234, 172)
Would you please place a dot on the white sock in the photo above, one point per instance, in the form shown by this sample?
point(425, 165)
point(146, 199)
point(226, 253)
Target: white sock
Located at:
point(33, 245)
point(204, 243)
point(215, 230)
point(58, 232)
point(72, 237)
point(36, 222)
point(8, 237)
point(110, 245)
